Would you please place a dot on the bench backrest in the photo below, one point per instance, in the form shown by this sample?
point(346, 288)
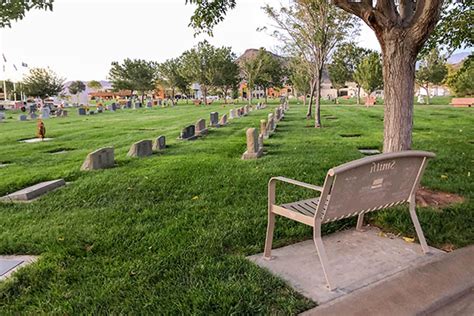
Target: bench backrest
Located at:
point(373, 183)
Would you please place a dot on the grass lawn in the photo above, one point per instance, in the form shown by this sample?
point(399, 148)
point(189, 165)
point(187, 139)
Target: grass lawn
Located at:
point(168, 234)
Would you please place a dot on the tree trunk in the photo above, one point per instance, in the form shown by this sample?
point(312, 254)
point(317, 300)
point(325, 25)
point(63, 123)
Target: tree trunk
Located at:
point(309, 113)
point(427, 88)
point(317, 104)
point(337, 96)
point(249, 97)
point(266, 96)
point(358, 95)
point(399, 82)
point(204, 92)
point(143, 96)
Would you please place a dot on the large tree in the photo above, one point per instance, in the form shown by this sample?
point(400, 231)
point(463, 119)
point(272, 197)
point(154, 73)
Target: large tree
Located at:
point(461, 81)
point(42, 83)
point(252, 68)
point(311, 29)
point(300, 78)
point(76, 87)
point(170, 74)
point(226, 75)
point(432, 70)
point(349, 56)
point(199, 66)
point(16, 9)
point(135, 75)
point(272, 74)
point(402, 28)
point(338, 74)
point(369, 73)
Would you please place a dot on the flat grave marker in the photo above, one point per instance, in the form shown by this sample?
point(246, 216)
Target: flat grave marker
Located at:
point(34, 191)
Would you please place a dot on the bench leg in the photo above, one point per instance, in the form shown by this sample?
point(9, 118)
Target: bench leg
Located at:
point(267, 254)
point(360, 222)
point(318, 242)
point(417, 225)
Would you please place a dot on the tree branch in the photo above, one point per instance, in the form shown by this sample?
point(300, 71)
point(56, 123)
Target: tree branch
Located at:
point(424, 20)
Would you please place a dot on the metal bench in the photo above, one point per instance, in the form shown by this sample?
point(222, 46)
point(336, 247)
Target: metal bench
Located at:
point(354, 188)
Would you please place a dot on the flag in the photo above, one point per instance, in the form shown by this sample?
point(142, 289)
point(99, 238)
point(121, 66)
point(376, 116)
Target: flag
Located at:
point(4, 58)
point(16, 69)
point(24, 64)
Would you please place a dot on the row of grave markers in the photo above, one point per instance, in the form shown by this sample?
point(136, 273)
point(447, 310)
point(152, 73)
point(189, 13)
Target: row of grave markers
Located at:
point(105, 158)
point(191, 132)
point(267, 128)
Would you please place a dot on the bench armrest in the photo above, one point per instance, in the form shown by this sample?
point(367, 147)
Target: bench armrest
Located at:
point(297, 183)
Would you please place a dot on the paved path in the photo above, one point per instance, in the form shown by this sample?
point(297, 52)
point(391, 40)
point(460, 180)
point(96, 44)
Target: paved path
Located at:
point(442, 287)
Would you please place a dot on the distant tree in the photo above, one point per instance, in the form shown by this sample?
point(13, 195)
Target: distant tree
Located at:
point(170, 74)
point(199, 66)
point(432, 70)
point(135, 75)
point(252, 68)
point(76, 87)
point(369, 73)
point(350, 56)
point(226, 75)
point(461, 81)
point(300, 78)
point(16, 9)
point(338, 74)
point(94, 85)
point(311, 29)
point(42, 83)
point(272, 73)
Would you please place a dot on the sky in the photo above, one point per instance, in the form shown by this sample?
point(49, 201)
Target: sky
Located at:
point(80, 38)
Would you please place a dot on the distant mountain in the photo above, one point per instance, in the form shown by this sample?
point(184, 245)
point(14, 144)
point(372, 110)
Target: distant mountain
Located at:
point(458, 57)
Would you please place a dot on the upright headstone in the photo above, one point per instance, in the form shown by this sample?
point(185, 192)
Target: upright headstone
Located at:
point(64, 113)
point(214, 119)
point(278, 114)
point(45, 113)
point(188, 133)
point(232, 114)
point(243, 111)
point(2, 116)
point(159, 143)
point(33, 116)
point(223, 120)
point(149, 104)
point(253, 148)
point(100, 109)
point(142, 148)
point(271, 123)
point(81, 111)
point(263, 128)
point(22, 117)
point(114, 107)
point(100, 159)
point(201, 127)
point(129, 104)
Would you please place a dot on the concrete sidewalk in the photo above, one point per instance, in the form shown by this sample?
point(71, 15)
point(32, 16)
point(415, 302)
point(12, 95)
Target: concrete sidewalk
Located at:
point(441, 287)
